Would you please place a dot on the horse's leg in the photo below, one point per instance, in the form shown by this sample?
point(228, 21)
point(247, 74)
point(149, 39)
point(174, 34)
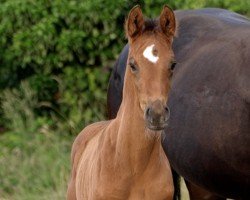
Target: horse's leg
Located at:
point(71, 192)
point(177, 187)
point(198, 193)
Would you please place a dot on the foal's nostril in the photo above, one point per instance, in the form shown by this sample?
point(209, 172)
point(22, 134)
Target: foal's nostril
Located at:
point(167, 113)
point(147, 112)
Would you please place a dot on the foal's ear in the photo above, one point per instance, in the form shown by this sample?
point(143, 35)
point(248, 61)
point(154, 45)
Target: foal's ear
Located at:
point(167, 21)
point(134, 23)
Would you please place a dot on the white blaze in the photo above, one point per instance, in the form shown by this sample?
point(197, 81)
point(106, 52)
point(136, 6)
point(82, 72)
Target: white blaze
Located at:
point(148, 53)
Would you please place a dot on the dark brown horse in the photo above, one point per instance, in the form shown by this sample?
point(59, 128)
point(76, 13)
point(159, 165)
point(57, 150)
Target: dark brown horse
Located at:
point(208, 137)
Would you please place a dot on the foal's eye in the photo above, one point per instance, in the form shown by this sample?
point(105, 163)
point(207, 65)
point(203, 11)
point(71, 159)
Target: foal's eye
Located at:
point(172, 66)
point(133, 65)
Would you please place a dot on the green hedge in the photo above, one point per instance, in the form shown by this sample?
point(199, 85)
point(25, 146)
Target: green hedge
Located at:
point(63, 48)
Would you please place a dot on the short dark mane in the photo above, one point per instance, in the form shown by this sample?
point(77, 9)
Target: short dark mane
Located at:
point(150, 25)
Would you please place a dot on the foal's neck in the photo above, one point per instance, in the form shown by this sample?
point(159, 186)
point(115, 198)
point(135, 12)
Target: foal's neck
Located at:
point(135, 142)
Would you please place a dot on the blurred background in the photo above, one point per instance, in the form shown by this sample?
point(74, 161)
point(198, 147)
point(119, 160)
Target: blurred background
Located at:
point(55, 60)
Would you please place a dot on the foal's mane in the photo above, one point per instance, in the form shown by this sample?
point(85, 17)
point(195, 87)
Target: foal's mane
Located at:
point(151, 25)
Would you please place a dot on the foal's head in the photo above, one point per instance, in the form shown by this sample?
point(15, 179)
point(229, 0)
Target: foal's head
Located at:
point(151, 63)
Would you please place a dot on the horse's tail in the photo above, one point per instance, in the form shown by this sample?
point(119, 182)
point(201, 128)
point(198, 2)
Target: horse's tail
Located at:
point(177, 186)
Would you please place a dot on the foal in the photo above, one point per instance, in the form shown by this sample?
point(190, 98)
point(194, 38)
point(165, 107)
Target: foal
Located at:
point(123, 158)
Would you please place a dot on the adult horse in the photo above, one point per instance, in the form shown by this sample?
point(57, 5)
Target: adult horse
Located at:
point(123, 158)
point(208, 137)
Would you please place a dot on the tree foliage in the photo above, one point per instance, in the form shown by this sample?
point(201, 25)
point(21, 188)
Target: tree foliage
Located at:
point(63, 49)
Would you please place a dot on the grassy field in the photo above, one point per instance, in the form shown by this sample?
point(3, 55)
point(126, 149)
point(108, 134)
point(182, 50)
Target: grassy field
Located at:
point(34, 166)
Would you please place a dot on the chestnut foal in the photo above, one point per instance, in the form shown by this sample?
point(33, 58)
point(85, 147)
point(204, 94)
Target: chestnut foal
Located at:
point(123, 158)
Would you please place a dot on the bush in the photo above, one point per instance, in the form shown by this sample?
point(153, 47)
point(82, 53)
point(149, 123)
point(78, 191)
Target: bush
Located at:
point(63, 49)
point(18, 108)
point(85, 101)
point(46, 41)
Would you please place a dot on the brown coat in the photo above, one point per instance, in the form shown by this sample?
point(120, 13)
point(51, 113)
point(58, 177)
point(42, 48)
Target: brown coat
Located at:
point(123, 158)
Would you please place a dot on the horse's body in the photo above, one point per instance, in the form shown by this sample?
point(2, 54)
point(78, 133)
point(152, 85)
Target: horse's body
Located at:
point(208, 140)
point(108, 167)
point(123, 158)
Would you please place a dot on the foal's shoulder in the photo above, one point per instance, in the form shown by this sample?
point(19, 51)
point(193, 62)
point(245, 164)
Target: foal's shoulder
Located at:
point(90, 131)
point(84, 136)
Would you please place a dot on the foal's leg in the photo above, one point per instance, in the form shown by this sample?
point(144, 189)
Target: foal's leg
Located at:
point(198, 193)
point(71, 193)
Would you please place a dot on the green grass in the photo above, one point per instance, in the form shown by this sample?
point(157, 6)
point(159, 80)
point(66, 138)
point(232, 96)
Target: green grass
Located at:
point(34, 166)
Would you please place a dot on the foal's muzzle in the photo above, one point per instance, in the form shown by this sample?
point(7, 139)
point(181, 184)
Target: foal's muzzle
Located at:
point(157, 115)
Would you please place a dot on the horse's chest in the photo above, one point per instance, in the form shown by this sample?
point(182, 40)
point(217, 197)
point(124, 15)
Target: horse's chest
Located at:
point(99, 179)
point(158, 187)
point(122, 185)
